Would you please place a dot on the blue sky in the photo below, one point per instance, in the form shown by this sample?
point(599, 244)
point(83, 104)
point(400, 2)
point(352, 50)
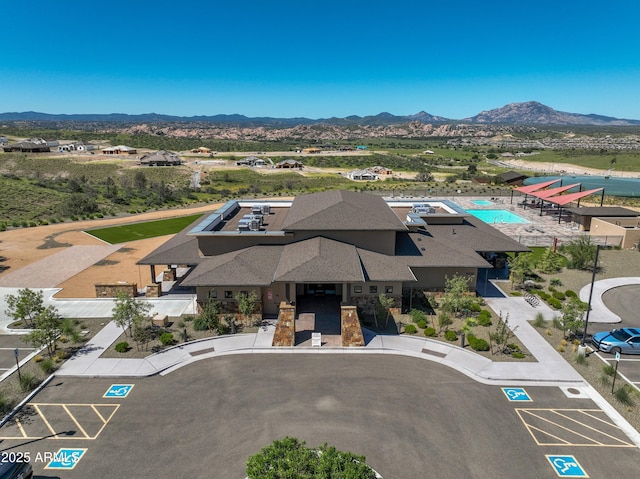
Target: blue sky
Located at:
point(319, 59)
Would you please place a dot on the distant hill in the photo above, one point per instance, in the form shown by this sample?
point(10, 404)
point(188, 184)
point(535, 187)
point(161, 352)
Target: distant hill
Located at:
point(534, 113)
point(526, 113)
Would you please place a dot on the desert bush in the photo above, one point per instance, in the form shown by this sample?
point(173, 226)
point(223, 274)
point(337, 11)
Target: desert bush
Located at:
point(418, 315)
point(478, 344)
point(518, 355)
point(430, 332)
point(28, 382)
point(539, 321)
point(122, 347)
point(554, 303)
point(623, 396)
point(6, 405)
point(450, 335)
point(410, 329)
point(422, 324)
point(559, 295)
point(47, 366)
point(484, 318)
point(167, 339)
point(570, 293)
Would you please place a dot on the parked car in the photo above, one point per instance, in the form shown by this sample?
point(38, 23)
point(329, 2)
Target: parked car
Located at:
point(15, 469)
point(624, 340)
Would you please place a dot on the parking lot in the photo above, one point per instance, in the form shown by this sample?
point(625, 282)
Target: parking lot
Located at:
point(8, 345)
point(625, 302)
point(409, 417)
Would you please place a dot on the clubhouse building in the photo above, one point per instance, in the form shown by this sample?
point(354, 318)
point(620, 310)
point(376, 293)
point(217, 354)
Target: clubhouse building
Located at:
point(346, 245)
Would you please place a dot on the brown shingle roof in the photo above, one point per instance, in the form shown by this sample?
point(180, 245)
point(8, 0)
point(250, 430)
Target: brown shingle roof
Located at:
point(341, 210)
point(319, 260)
point(253, 266)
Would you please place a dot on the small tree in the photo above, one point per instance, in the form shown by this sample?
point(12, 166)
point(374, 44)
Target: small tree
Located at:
point(127, 312)
point(582, 253)
point(386, 303)
point(47, 330)
point(573, 316)
point(502, 336)
point(246, 303)
point(455, 297)
point(549, 262)
point(519, 269)
point(209, 319)
point(25, 306)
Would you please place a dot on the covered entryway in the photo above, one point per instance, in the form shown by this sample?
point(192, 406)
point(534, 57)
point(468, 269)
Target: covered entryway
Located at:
point(319, 314)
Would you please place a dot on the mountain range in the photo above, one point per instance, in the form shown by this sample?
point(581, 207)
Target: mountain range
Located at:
point(525, 113)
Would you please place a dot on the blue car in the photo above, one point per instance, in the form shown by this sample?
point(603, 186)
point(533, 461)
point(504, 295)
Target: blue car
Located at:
point(624, 341)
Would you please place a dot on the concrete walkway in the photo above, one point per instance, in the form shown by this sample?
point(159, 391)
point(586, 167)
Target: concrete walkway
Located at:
point(599, 312)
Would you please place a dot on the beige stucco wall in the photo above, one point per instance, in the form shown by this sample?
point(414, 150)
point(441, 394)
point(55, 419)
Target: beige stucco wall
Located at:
point(627, 228)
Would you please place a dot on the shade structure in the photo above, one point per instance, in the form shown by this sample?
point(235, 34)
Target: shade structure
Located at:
point(537, 186)
point(543, 194)
point(564, 199)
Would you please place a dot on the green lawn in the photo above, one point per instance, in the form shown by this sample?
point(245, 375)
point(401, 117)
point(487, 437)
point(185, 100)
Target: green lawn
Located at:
point(148, 229)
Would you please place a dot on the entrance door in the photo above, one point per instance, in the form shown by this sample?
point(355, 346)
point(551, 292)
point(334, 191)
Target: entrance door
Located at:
point(320, 289)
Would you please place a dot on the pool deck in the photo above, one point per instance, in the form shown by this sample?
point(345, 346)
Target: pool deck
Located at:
point(540, 231)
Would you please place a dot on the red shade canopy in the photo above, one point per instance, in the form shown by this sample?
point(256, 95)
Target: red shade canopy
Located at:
point(553, 191)
point(564, 199)
point(538, 186)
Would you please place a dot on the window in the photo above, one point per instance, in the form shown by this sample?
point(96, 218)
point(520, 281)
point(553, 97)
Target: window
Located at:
point(388, 289)
point(213, 294)
point(357, 288)
point(228, 294)
point(373, 289)
point(245, 293)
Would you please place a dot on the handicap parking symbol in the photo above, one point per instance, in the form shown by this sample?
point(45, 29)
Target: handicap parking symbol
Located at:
point(118, 391)
point(517, 394)
point(566, 466)
point(66, 458)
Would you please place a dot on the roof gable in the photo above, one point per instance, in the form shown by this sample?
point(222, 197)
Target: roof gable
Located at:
point(341, 210)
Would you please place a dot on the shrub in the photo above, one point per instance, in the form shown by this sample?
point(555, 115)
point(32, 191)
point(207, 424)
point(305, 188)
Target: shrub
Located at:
point(554, 303)
point(623, 396)
point(545, 296)
point(167, 339)
point(539, 321)
point(484, 318)
point(517, 355)
point(410, 329)
point(430, 332)
point(28, 382)
point(47, 366)
point(417, 315)
point(450, 335)
point(516, 293)
point(122, 347)
point(60, 356)
point(478, 344)
point(474, 307)
point(422, 324)
point(570, 293)
point(37, 358)
point(6, 405)
point(559, 295)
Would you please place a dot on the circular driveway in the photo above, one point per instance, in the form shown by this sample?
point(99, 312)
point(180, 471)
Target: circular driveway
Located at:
point(409, 417)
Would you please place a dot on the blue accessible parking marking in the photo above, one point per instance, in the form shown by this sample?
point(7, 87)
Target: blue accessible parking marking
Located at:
point(566, 466)
point(517, 394)
point(66, 458)
point(118, 391)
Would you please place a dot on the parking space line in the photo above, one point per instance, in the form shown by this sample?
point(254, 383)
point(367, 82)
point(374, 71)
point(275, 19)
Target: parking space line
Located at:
point(44, 419)
point(75, 421)
point(565, 430)
point(100, 410)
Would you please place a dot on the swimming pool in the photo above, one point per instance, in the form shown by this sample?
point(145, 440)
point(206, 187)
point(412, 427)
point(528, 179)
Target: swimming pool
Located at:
point(497, 216)
point(482, 202)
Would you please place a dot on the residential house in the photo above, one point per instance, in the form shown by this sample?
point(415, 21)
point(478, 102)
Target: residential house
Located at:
point(119, 150)
point(289, 164)
point(362, 175)
point(161, 158)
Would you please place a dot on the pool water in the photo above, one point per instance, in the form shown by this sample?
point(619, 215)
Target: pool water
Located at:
point(497, 216)
point(482, 202)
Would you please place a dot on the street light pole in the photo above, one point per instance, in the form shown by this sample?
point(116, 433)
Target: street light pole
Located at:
point(593, 279)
